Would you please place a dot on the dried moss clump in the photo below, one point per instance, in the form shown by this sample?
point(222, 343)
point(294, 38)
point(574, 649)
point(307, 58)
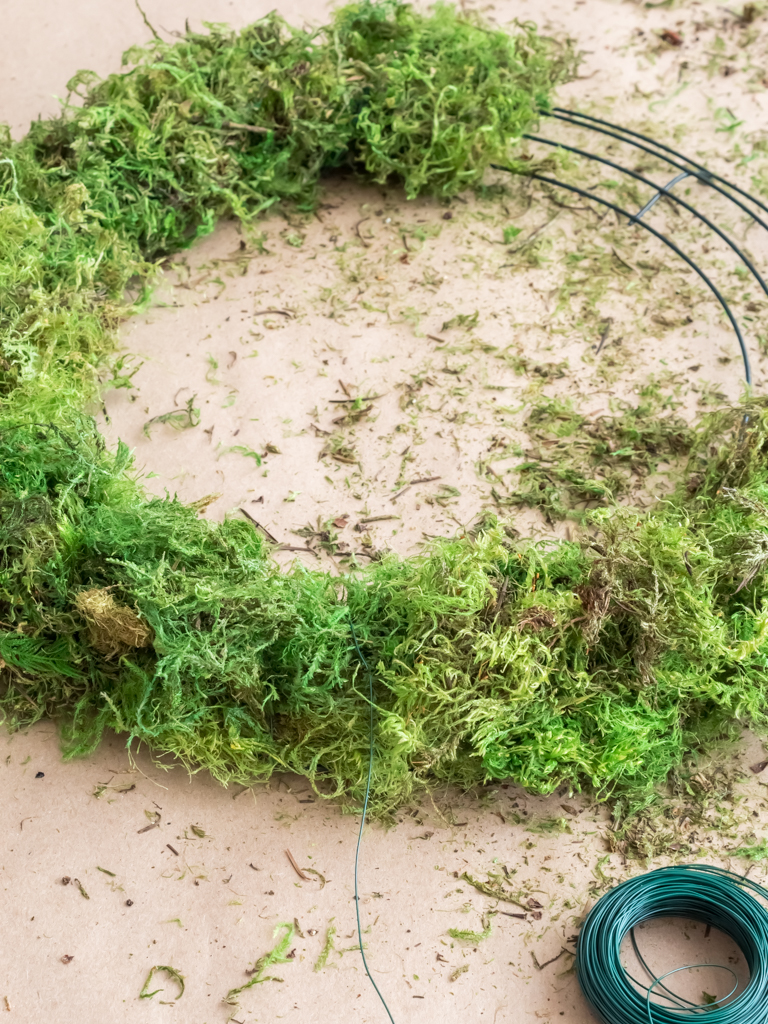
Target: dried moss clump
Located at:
point(112, 628)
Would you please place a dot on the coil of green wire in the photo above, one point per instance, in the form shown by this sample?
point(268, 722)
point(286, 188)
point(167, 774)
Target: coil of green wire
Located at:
point(697, 892)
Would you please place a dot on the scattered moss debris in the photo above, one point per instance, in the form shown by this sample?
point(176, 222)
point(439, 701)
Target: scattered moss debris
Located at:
point(171, 972)
point(328, 948)
point(550, 826)
point(576, 462)
point(277, 955)
point(699, 805)
point(493, 889)
point(321, 878)
point(474, 937)
point(457, 973)
point(179, 419)
point(756, 852)
point(598, 663)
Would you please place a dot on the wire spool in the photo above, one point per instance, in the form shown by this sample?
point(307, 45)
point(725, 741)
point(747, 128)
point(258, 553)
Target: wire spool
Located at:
point(697, 892)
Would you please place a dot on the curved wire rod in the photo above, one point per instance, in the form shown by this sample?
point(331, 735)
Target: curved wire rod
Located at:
point(704, 175)
point(671, 195)
point(668, 149)
point(667, 241)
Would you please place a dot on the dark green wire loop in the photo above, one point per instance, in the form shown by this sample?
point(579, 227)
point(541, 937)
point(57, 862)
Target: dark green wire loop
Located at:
point(697, 892)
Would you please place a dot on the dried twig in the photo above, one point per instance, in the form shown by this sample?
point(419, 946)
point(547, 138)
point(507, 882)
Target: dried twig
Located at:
point(257, 129)
point(16, 682)
point(540, 967)
point(296, 867)
point(604, 333)
point(345, 401)
point(357, 232)
point(258, 526)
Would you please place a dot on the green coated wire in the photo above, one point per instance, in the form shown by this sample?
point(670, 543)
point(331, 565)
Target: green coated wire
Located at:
point(698, 892)
point(364, 663)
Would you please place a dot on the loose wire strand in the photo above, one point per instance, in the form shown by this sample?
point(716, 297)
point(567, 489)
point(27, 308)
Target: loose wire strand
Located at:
point(365, 665)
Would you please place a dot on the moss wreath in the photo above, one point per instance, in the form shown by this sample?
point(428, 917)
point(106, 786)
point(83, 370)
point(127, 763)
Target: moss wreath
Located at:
point(597, 665)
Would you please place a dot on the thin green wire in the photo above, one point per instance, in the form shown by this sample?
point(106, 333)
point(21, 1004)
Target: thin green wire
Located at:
point(364, 663)
point(697, 892)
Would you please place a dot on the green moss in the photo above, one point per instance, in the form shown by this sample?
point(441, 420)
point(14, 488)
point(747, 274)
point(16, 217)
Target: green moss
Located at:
point(577, 462)
point(465, 935)
point(277, 955)
point(544, 663)
point(328, 948)
point(171, 972)
point(756, 853)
